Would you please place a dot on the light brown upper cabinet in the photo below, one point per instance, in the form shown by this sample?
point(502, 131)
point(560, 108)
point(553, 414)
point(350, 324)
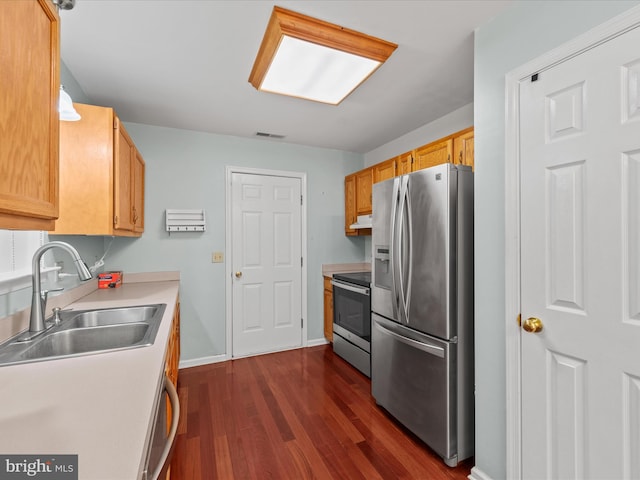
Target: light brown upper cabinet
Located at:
point(101, 176)
point(384, 170)
point(463, 147)
point(29, 89)
point(138, 193)
point(364, 182)
point(433, 154)
point(404, 163)
point(455, 148)
point(350, 204)
point(357, 198)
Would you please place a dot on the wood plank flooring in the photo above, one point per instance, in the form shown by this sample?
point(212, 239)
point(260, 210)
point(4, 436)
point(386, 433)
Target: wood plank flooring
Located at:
point(300, 414)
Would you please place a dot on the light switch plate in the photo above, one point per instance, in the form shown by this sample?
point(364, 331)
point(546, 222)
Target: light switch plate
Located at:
point(217, 257)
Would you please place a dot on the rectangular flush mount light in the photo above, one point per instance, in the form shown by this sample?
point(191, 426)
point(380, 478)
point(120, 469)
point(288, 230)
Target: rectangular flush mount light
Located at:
point(303, 57)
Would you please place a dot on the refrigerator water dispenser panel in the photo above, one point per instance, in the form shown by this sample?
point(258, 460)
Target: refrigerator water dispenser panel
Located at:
point(382, 268)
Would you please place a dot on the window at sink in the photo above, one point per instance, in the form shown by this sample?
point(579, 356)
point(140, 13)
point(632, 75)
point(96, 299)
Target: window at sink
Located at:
point(16, 252)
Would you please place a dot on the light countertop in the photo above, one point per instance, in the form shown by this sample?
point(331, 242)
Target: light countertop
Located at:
point(97, 406)
point(329, 269)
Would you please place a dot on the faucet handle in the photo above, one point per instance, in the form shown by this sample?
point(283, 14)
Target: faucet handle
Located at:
point(44, 295)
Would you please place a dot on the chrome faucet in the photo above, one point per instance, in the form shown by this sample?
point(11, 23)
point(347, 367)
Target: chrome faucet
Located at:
point(38, 298)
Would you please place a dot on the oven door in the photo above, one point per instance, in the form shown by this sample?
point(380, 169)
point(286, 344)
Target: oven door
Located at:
point(352, 308)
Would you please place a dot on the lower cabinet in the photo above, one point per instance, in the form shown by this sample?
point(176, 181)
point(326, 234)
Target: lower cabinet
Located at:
point(173, 361)
point(328, 309)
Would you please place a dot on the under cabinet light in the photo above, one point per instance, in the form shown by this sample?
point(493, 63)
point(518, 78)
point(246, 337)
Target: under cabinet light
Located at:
point(65, 107)
point(303, 57)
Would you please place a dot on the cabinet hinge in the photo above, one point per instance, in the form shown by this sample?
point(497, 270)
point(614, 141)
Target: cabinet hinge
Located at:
point(302, 323)
point(115, 220)
point(300, 199)
point(519, 319)
point(412, 159)
point(301, 262)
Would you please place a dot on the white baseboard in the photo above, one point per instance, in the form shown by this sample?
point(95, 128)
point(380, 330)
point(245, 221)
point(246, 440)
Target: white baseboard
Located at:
point(196, 362)
point(317, 341)
point(477, 474)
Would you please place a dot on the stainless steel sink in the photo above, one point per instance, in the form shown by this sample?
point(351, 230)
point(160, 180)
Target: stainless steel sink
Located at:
point(87, 332)
point(111, 316)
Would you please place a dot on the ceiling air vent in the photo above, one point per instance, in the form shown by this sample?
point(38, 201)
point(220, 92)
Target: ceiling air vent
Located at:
point(268, 135)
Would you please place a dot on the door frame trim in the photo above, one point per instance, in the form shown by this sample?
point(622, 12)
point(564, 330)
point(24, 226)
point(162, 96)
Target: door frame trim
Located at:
point(618, 25)
point(229, 170)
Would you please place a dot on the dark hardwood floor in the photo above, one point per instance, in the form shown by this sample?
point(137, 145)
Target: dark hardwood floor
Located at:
point(300, 414)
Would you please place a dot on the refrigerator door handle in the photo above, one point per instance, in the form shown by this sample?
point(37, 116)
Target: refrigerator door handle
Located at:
point(409, 254)
point(402, 258)
point(423, 346)
point(393, 254)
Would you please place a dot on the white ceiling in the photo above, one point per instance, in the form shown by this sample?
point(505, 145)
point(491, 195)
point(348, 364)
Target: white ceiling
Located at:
point(185, 64)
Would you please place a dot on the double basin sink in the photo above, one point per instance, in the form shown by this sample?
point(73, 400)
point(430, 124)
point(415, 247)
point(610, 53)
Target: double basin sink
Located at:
point(85, 332)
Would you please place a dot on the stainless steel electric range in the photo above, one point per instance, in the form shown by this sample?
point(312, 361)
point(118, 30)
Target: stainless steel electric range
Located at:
point(352, 319)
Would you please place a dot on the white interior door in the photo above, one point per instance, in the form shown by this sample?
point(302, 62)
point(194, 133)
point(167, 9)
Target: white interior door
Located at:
point(266, 258)
point(580, 265)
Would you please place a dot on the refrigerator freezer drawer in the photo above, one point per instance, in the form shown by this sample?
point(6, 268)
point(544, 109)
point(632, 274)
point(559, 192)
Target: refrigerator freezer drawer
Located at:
point(413, 376)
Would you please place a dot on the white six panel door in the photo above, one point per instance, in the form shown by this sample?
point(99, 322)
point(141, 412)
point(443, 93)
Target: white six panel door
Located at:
point(580, 265)
point(266, 233)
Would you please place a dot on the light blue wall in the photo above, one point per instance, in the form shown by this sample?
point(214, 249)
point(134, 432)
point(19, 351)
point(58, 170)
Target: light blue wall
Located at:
point(186, 169)
point(71, 85)
point(525, 31)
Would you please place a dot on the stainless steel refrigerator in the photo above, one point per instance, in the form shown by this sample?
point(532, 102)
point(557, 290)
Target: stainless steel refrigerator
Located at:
point(422, 306)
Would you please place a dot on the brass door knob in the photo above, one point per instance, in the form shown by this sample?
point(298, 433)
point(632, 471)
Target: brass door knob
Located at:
point(532, 325)
point(238, 274)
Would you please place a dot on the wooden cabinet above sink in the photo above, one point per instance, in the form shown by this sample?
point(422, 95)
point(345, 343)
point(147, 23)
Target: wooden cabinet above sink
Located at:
point(101, 176)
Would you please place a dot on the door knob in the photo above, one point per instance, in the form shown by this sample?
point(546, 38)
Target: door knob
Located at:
point(238, 274)
point(532, 325)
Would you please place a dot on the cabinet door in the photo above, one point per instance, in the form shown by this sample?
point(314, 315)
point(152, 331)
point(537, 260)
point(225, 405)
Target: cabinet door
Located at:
point(364, 182)
point(384, 170)
point(29, 89)
point(349, 204)
point(138, 192)
point(463, 148)
point(404, 163)
point(86, 173)
point(124, 152)
point(328, 310)
point(433, 154)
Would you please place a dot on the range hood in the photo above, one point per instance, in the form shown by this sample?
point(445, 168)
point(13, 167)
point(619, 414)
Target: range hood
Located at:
point(363, 221)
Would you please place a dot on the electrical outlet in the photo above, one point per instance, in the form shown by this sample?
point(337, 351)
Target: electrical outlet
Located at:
point(217, 257)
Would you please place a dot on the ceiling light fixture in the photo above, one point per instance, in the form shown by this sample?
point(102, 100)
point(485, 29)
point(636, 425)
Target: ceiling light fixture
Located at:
point(303, 57)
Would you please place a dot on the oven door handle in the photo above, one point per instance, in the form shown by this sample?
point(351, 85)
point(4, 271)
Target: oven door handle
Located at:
point(351, 288)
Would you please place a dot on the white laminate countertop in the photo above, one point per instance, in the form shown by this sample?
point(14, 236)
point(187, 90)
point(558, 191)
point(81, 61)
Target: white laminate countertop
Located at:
point(97, 406)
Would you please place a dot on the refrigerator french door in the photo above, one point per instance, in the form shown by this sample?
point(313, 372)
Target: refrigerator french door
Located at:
point(422, 305)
